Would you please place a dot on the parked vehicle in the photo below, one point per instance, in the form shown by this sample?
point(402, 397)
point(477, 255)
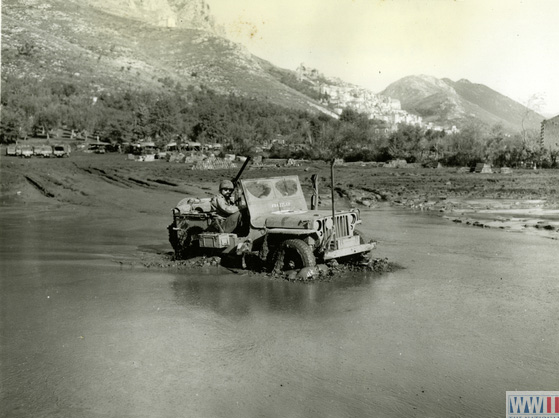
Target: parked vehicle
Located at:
point(59, 151)
point(97, 148)
point(43, 151)
point(26, 151)
point(281, 230)
point(11, 149)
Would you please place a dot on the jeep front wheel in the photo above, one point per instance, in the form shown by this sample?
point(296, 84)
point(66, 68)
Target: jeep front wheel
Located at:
point(292, 254)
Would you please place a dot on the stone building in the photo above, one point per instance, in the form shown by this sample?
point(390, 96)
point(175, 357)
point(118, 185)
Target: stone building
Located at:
point(550, 133)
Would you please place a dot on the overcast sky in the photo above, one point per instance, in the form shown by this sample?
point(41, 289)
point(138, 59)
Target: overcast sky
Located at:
point(512, 46)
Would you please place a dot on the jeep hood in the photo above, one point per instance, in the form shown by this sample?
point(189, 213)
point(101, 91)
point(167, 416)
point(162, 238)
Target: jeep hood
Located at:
point(291, 219)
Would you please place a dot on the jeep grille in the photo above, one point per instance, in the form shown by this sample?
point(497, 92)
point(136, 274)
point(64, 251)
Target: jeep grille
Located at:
point(342, 226)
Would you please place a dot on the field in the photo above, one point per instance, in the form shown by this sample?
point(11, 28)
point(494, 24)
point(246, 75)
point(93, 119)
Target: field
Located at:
point(113, 182)
point(68, 180)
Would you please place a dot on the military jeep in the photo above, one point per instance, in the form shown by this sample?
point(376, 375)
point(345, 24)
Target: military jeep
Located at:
point(278, 228)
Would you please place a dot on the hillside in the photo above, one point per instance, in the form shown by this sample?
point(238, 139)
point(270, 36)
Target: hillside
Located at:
point(191, 14)
point(97, 49)
point(105, 46)
point(442, 100)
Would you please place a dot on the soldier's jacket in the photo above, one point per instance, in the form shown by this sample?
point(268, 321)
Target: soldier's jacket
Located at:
point(224, 206)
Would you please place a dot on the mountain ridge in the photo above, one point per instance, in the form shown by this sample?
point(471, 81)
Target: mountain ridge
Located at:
point(102, 51)
point(190, 14)
point(437, 100)
point(103, 45)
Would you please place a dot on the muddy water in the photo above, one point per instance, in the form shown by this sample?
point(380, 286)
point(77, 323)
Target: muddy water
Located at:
point(473, 313)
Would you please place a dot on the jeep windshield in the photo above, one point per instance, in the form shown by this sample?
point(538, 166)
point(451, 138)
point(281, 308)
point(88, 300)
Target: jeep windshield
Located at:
point(273, 195)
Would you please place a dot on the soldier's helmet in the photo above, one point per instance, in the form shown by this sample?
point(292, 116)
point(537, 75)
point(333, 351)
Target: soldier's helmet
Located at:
point(226, 184)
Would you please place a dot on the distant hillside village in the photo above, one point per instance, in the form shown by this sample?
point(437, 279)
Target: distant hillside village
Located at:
point(338, 95)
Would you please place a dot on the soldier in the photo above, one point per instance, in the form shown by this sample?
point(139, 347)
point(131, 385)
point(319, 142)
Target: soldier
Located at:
point(225, 206)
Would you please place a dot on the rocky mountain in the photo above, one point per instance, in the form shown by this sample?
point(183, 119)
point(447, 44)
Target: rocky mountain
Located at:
point(442, 101)
point(115, 45)
point(107, 45)
point(191, 14)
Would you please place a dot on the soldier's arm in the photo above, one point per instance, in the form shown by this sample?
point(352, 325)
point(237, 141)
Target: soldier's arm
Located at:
point(224, 207)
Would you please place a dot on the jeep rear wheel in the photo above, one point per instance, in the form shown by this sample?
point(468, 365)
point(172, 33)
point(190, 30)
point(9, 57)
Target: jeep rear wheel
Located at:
point(183, 243)
point(292, 254)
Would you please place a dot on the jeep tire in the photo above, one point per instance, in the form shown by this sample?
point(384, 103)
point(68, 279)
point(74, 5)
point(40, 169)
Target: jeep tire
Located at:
point(292, 254)
point(183, 243)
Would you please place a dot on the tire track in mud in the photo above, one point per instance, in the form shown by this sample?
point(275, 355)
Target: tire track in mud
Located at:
point(124, 178)
point(140, 182)
point(111, 179)
point(37, 185)
point(164, 182)
point(46, 185)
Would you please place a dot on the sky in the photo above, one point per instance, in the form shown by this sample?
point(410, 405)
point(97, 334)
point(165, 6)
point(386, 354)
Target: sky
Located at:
point(511, 46)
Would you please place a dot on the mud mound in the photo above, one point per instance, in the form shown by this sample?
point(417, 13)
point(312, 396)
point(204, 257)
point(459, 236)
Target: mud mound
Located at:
point(329, 272)
point(321, 273)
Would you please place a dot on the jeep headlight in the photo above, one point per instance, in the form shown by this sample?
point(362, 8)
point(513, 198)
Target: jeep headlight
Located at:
point(317, 226)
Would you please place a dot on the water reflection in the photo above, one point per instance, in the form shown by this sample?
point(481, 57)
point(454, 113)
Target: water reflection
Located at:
point(243, 294)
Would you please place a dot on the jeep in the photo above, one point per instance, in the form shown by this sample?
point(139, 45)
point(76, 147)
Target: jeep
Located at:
point(278, 228)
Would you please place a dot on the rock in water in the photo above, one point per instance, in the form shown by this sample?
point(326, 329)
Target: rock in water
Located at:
point(307, 273)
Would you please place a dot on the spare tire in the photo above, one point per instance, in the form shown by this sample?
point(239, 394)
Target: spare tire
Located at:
point(292, 254)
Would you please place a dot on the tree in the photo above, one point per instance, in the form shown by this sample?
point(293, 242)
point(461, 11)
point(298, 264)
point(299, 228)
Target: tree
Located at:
point(10, 125)
point(48, 119)
point(404, 142)
point(495, 145)
point(115, 130)
point(142, 117)
point(466, 147)
point(354, 117)
point(163, 120)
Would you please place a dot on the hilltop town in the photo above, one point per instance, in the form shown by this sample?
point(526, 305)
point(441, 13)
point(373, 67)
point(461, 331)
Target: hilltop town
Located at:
point(338, 95)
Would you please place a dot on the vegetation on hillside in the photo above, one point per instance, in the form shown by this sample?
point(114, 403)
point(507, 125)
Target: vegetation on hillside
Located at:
point(242, 124)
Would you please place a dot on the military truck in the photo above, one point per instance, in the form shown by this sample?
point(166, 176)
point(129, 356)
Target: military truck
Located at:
point(25, 151)
point(11, 149)
point(61, 150)
point(44, 151)
point(278, 228)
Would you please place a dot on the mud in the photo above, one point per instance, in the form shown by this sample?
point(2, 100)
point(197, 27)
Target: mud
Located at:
point(321, 273)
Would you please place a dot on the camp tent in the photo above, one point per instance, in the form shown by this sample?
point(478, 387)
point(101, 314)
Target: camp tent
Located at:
point(483, 168)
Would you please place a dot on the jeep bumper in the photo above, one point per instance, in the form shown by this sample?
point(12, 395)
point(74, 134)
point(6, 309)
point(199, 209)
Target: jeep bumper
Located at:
point(342, 252)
